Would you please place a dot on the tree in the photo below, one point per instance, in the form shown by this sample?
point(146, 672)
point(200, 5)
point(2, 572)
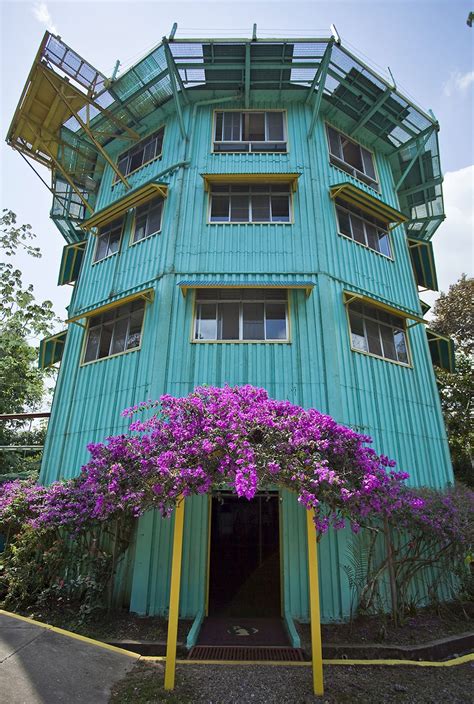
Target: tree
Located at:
point(22, 319)
point(453, 315)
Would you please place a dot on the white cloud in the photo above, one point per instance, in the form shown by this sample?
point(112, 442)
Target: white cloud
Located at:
point(453, 241)
point(43, 15)
point(458, 82)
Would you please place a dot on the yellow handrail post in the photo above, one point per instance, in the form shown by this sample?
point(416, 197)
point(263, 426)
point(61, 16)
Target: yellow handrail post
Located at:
point(315, 616)
point(170, 667)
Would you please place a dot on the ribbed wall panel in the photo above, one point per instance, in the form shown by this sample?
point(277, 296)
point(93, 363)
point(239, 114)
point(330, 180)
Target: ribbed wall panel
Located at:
point(398, 406)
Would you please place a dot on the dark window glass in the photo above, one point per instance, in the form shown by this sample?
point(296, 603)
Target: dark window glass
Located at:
point(148, 219)
point(275, 321)
point(260, 208)
point(115, 331)
point(254, 131)
point(253, 321)
point(239, 208)
point(108, 240)
point(378, 332)
point(220, 208)
point(362, 227)
point(241, 314)
point(256, 203)
point(275, 126)
point(140, 154)
point(351, 157)
point(254, 127)
point(280, 208)
point(228, 327)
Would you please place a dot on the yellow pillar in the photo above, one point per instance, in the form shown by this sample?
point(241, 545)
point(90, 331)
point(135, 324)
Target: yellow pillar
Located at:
point(315, 616)
point(170, 667)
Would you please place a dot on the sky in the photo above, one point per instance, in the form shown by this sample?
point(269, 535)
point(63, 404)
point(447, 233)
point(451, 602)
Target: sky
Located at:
point(427, 45)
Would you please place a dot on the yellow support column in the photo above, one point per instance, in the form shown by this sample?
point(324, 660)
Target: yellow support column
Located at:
point(170, 667)
point(315, 616)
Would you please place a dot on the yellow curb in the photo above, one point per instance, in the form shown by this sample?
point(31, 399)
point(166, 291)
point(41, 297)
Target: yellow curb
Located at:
point(280, 663)
point(69, 634)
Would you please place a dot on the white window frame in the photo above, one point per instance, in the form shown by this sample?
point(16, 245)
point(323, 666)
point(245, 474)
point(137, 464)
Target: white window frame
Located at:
point(272, 190)
point(148, 205)
point(105, 231)
point(339, 203)
point(118, 317)
point(402, 327)
point(336, 160)
point(258, 299)
point(240, 141)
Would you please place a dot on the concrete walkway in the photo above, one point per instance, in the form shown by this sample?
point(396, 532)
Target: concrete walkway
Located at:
point(39, 665)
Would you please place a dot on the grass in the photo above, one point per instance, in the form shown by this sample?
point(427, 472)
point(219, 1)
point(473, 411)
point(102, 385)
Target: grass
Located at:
point(144, 685)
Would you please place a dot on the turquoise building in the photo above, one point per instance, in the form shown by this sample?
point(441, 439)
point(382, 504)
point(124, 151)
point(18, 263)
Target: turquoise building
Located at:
point(240, 212)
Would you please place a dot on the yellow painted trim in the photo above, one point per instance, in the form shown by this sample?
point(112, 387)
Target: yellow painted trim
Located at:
point(208, 561)
point(367, 203)
point(315, 616)
point(290, 178)
point(120, 207)
point(350, 296)
point(147, 294)
point(69, 634)
point(285, 287)
point(170, 669)
point(463, 659)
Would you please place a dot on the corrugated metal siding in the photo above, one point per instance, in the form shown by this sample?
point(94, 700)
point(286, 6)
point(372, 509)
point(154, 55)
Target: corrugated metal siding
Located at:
point(397, 406)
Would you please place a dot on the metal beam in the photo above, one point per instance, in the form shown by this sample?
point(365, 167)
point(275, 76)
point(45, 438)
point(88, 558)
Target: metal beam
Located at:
point(366, 117)
point(170, 64)
point(89, 133)
point(318, 73)
point(247, 75)
point(315, 616)
point(421, 146)
point(170, 667)
point(323, 70)
point(417, 137)
point(103, 111)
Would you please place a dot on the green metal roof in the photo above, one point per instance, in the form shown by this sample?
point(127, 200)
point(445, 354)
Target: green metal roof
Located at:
point(326, 74)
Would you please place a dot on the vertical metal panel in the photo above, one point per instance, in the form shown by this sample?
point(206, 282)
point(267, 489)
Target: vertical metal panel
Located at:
point(398, 406)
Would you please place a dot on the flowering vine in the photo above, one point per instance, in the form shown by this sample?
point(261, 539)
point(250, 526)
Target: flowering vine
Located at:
point(214, 437)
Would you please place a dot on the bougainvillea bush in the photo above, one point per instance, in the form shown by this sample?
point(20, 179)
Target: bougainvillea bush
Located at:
point(234, 437)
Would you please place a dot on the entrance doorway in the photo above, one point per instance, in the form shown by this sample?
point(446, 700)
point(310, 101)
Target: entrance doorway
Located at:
point(244, 576)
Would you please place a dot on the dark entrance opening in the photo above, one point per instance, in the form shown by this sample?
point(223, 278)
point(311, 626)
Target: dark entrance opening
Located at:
point(244, 577)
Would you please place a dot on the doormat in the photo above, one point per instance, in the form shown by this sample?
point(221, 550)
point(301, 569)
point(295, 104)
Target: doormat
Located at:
point(242, 632)
point(245, 654)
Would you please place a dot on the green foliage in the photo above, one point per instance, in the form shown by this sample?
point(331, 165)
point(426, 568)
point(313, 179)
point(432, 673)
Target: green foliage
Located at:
point(22, 384)
point(422, 553)
point(54, 569)
point(453, 315)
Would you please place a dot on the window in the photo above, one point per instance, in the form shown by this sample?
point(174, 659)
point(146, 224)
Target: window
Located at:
point(241, 314)
point(147, 219)
point(378, 332)
point(351, 157)
point(250, 131)
point(142, 153)
point(108, 240)
point(250, 203)
point(115, 331)
point(362, 228)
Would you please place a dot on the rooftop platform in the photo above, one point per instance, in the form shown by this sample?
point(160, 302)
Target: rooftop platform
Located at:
point(69, 111)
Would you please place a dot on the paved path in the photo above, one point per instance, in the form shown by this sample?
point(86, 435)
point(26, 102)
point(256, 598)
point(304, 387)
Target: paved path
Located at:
point(41, 666)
